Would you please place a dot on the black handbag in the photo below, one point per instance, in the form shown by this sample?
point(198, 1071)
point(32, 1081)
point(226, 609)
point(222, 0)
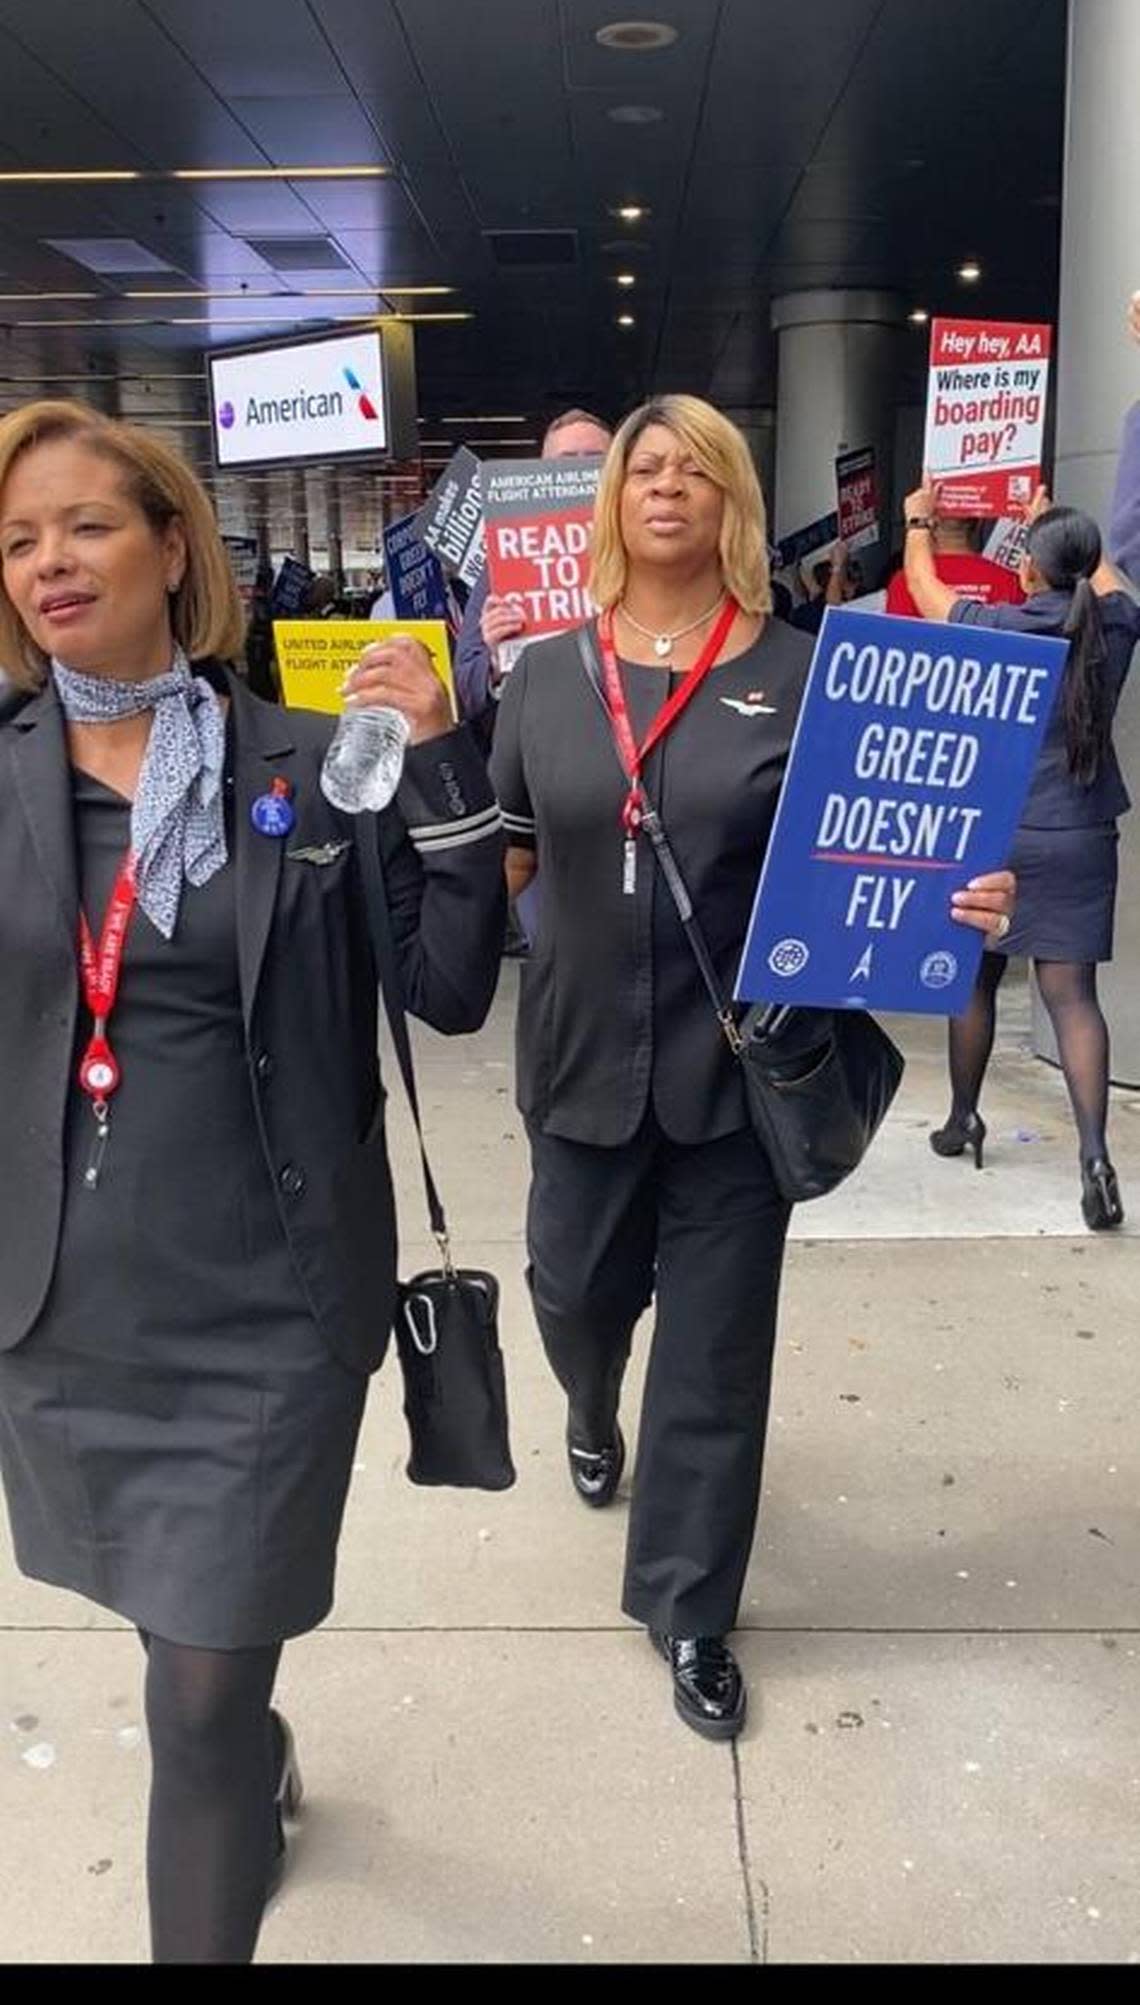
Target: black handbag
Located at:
point(446, 1321)
point(818, 1082)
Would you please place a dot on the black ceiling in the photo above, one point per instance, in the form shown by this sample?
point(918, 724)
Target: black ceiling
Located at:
point(836, 143)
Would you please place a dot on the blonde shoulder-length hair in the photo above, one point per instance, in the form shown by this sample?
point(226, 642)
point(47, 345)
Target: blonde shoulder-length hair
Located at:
point(719, 450)
point(205, 612)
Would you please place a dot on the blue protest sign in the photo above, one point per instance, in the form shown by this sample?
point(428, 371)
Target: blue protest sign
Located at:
point(793, 549)
point(415, 575)
point(289, 588)
point(911, 761)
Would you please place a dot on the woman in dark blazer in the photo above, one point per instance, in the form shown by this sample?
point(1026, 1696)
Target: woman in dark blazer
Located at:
point(197, 1264)
point(1065, 854)
point(647, 1176)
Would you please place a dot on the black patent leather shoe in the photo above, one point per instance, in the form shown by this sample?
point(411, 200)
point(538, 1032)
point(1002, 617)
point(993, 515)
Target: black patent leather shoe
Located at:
point(1100, 1196)
point(288, 1796)
point(596, 1474)
point(708, 1690)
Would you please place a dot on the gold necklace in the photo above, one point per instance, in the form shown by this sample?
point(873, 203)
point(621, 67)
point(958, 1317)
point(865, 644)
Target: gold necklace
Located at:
point(663, 642)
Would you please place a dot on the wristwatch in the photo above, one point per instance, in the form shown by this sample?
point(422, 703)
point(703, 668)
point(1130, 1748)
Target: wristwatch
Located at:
point(919, 522)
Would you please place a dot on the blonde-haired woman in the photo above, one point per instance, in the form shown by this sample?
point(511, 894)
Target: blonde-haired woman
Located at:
point(647, 1178)
point(197, 1259)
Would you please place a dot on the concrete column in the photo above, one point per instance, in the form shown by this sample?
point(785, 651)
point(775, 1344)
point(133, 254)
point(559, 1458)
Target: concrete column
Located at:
point(839, 362)
point(1098, 377)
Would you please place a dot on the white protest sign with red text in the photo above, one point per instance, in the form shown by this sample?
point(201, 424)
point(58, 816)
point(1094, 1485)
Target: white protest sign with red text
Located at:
point(857, 492)
point(538, 515)
point(985, 413)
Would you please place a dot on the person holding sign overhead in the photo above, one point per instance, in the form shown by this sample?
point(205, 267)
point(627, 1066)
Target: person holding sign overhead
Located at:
point(197, 1269)
point(1065, 854)
point(489, 621)
point(647, 1178)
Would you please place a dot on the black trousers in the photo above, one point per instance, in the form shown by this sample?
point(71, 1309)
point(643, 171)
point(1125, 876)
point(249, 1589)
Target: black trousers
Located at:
point(701, 1226)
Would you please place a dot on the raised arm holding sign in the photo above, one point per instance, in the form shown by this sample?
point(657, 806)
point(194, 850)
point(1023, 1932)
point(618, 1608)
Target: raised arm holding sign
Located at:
point(985, 413)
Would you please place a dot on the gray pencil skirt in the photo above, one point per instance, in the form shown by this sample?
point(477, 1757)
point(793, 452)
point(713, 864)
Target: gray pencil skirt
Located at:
point(201, 1501)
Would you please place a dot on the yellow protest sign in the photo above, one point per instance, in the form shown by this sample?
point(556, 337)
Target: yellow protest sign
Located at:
point(314, 656)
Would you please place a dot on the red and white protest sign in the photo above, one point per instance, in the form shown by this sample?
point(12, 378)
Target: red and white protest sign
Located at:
point(985, 413)
point(1006, 544)
point(538, 515)
point(858, 493)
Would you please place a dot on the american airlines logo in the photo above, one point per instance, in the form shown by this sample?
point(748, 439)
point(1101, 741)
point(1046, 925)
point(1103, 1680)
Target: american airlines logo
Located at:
point(304, 405)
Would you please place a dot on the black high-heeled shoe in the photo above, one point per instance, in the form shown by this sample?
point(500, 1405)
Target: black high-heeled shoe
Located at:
point(1100, 1195)
point(958, 1136)
point(287, 1798)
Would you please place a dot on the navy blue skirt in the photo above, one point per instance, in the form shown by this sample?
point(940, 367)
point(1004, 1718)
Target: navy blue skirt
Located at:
point(1066, 893)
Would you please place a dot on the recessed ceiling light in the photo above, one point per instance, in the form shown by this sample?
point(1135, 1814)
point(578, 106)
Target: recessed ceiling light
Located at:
point(630, 212)
point(626, 320)
point(970, 272)
point(918, 317)
point(633, 37)
point(627, 278)
point(635, 114)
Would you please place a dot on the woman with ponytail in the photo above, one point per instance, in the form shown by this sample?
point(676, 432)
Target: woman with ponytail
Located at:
point(1065, 850)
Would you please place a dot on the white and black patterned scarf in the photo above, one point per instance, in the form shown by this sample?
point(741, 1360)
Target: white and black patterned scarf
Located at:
point(177, 819)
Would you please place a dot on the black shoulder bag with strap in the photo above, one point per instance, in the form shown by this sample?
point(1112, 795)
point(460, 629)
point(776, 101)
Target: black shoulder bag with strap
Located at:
point(455, 1395)
point(818, 1082)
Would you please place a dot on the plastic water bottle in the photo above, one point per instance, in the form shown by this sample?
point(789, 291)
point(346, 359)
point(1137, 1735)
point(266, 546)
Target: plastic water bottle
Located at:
point(365, 759)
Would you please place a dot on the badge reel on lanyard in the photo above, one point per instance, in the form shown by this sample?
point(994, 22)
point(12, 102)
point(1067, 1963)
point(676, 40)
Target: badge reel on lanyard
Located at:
point(633, 756)
point(100, 968)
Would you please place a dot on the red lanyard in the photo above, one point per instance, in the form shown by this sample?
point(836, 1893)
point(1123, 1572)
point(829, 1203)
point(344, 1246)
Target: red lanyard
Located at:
point(100, 967)
point(632, 756)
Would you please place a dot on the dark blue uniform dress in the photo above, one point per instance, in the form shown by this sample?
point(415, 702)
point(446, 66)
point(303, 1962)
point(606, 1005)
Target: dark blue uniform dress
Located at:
point(179, 1449)
point(1065, 850)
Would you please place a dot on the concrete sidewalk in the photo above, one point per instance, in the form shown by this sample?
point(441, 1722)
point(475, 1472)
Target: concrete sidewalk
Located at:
point(941, 1625)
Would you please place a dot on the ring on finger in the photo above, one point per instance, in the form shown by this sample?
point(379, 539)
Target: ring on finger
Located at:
point(1002, 924)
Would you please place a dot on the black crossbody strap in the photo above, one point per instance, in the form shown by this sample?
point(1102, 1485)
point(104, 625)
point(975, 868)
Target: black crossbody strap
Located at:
point(670, 869)
point(392, 991)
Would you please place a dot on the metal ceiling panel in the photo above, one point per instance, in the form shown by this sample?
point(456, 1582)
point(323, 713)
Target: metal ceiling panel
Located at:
point(260, 48)
point(150, 211)
point(256, 208)
point(502, 101)
point(216, 258)
point(359, 205)
point(377, 60)
point(46, 124)
point(104, 51)
point(326, 131)
point(396, 256)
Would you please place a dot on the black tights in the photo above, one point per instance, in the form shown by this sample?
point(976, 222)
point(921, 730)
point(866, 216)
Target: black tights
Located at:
point(212, 1829)
point(1068, 991)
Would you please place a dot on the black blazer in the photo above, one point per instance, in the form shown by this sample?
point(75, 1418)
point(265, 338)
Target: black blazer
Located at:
point(1055, 798)
point(307, 986)
point(613, 1015)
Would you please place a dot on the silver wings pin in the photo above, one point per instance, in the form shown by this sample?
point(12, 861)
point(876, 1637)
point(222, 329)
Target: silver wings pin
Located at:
point(319, 853)
point(752, 705)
